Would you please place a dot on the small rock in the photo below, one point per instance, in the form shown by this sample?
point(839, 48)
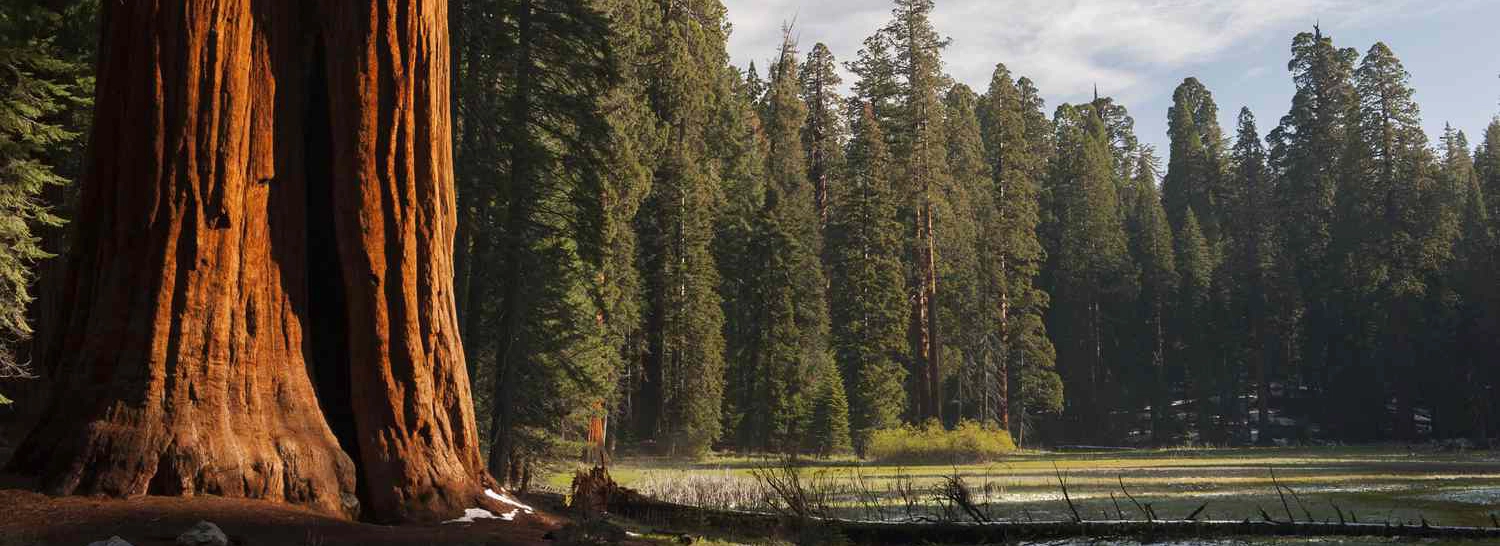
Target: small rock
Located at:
point(113, 541)
point(203, 534)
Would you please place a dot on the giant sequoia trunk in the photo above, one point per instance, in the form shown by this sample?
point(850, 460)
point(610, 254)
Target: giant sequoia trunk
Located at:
point(259, 298)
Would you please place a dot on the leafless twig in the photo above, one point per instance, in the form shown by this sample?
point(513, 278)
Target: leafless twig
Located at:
point(1066, 498)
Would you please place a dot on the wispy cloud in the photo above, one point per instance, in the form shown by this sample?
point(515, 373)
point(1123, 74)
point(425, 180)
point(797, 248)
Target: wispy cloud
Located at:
point(1065, 45)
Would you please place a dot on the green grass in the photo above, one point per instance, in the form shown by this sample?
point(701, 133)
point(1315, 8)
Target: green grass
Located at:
point(1377, 484)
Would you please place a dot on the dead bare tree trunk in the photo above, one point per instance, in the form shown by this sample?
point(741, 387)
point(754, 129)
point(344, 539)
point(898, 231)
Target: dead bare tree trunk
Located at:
point(259, 300)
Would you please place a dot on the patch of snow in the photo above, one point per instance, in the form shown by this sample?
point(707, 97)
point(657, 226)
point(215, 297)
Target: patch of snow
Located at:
point(472, 514)
point(507, 500)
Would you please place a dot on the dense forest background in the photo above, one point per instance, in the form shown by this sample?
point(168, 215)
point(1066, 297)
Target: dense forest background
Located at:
point(703, 256)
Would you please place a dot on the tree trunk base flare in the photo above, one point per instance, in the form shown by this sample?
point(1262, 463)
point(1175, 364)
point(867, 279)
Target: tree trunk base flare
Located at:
point(259, 299)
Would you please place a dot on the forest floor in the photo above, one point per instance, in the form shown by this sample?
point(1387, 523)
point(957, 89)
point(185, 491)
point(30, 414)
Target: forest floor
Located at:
point(1370, 484)
point(1375, 484)
point(33, 519)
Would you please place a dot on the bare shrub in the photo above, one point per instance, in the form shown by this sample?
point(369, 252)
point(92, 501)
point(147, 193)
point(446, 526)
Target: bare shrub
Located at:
point(718, 489)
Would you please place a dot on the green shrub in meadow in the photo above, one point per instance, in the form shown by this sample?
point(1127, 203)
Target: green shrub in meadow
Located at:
point(969, 442)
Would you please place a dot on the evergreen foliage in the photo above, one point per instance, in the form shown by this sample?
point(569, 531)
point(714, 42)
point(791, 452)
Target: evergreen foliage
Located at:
point(791, 352)
point(534, 153)
point(1091, 272)
point(1152, 247)
point(920, 148)
point(43, 85)
point(1196, 168)
point(705, 258)
point(683, 380)
point(867, 292)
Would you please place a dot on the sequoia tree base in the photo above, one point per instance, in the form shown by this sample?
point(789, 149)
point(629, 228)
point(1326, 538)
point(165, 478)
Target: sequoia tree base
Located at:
point(259, 298)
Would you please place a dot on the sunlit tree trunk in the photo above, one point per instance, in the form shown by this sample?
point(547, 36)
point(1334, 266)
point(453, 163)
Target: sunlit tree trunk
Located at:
point(259, 300)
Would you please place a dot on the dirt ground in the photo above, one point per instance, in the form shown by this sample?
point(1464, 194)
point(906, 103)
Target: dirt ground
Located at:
point(32, 519)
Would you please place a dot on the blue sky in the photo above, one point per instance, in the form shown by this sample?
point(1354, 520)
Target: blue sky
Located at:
point(1139, 50)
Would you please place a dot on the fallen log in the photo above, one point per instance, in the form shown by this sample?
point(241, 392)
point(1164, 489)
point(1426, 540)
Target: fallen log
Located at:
point(621, 502)
point(970, 533)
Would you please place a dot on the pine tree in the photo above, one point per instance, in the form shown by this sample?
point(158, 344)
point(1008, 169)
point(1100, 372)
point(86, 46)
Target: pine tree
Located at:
point(1383, 244)
point(1089, 260)
point(916, 131)
point(1017, 143)
point(1196, 181)
point(67, 31)
point(867, 295)
point(1305, 153)
point(634, 141)
point(877, 85)
point(683, 376)
point(969, 302)
point(742, 149)
point(1193, 313)
point(1196, 168)
point(1119, 130)
point(1481, 214)
point(828, 433)
point(1251, 239)
point(1454, 303)
point(823, 134)
point(1151, 246)
point(755, 88)
point(550, 145)
point(43, 85)
point(1487, 168)
point(1478, 311)
point(792, 355)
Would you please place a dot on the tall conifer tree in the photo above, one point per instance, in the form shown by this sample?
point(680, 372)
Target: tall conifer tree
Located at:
point(1384, 242)
point(823, 134)
point(1306, 151)
point(793, 353)
point(682, 382)
point(742, 149)
point(916, 131)
point(1252, 255)
point(867, 295)
point(1196, 166)
point(1151, 246)
point(1090, 262)
point(1017, 140)
point(43, 83)
point(1487, 168)
point(535, 153)
point(969, 302)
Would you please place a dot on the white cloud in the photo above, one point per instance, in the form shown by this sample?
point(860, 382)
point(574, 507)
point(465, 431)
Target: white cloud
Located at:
point(1066, 46)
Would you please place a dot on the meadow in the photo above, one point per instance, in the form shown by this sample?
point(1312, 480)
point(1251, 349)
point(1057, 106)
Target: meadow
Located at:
point(1367, 484)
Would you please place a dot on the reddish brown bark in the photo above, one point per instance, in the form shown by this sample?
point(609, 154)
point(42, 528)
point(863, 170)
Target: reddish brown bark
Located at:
point(418, 441)
point(253, 225)
point(923, 326)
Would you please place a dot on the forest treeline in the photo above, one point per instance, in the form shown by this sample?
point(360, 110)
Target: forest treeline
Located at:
point(752, 259)
point(705, 256)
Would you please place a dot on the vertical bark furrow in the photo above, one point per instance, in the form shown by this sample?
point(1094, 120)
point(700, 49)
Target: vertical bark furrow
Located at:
point(399, 384)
